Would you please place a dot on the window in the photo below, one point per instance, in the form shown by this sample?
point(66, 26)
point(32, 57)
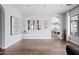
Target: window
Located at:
point(74, 25)
point(33, 25)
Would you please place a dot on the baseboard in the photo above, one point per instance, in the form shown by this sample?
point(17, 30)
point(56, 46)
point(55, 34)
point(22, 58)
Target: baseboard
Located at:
point(60, 39)
point(11, 44)
point(1, 49)
point(74, 42)
point(37, 39)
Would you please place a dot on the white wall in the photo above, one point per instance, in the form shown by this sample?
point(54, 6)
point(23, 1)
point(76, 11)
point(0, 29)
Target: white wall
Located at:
point(37, 34)
point(10, 11)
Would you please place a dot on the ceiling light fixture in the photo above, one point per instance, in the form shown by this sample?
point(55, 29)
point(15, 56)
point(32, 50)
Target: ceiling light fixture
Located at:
point(68, 4)
point(44, 5)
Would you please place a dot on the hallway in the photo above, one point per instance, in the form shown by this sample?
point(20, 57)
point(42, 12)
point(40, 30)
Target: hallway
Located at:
point(38, 47)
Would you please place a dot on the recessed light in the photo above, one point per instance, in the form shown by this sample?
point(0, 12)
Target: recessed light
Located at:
point(28, 5)
point(44, 5)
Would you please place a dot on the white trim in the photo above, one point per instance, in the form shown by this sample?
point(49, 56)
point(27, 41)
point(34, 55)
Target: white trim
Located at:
point(10, 44)
point(74, 42)
point(61, 38)
point(67, 38)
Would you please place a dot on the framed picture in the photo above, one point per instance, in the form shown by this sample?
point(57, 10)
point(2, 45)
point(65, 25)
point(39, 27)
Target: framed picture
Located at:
point(15, 25)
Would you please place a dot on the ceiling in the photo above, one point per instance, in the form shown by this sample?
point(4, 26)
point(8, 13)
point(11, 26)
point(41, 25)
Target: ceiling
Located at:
point(43, 9)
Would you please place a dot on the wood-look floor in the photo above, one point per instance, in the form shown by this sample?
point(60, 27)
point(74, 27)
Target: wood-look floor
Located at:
point(52, 46)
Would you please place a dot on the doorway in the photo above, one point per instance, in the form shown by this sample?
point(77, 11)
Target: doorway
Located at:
point(55, 26)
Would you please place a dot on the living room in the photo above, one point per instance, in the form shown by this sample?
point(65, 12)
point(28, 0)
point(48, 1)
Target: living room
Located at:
point(32, 29)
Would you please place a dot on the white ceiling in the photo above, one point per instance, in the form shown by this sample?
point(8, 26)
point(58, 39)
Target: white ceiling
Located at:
point(43, 9)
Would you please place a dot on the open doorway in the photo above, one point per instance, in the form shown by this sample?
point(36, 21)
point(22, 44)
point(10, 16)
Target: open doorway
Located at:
point(55, 26)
